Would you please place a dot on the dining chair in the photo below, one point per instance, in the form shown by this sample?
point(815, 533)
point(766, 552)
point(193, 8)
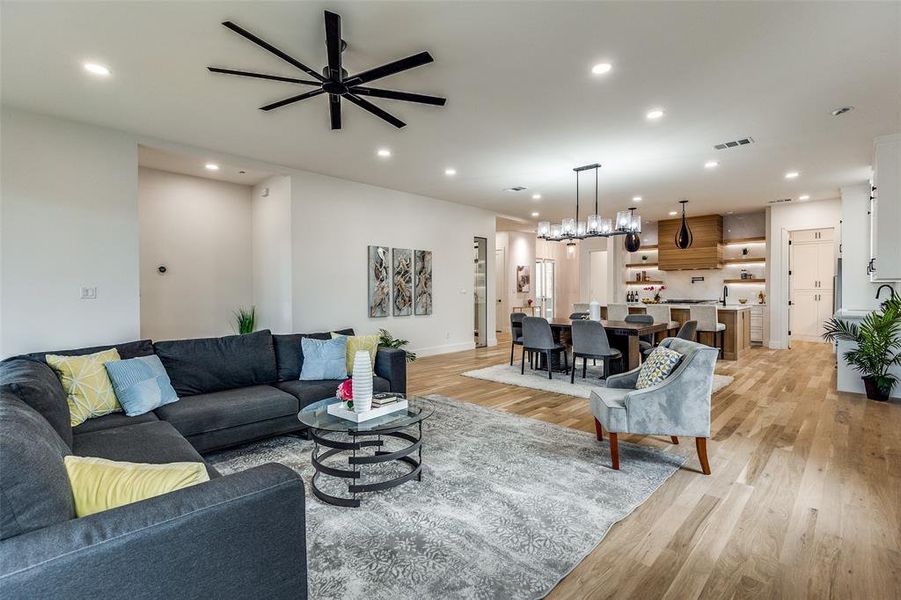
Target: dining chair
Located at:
point(617, 312)
point(538, 339)
point(590, 341)
point(688, 331)
point(516, 330)
point(578, 316)
point(645, 343)
point(708, 322)
point(679, 405)
point(661, 312)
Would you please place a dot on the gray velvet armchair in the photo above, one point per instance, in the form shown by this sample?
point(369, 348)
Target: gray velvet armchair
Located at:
point(680, 405)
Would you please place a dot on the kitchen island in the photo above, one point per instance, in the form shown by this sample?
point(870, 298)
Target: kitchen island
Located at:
point(736, 318)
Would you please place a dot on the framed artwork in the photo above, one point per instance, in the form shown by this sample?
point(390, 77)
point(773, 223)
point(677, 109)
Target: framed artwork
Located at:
point(379, 282)
point(422, 292)
point(402, 278)
point(523, 278)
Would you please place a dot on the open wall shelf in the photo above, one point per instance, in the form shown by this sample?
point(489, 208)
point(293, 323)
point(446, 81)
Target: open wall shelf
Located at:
point(648, 282)
point(744, 281)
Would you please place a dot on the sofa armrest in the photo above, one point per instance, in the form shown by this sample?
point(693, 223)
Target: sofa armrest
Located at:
point(239, 536)
point(391, 363)
point(625, 380)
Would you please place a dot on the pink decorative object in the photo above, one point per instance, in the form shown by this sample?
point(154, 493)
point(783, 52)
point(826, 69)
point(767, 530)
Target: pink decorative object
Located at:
point(345, 392)
point(530, 301)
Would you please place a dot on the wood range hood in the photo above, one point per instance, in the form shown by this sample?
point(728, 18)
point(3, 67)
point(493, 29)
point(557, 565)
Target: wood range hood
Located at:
point(705, 252)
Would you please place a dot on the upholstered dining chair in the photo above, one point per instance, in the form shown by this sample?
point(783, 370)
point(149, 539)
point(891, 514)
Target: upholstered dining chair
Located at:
point(590, 341)
point(679, 405)
point(538, 339)
point(688, 331)
point(661, 312)
point(708, 322)
point(647, 342)
point(577, 316)
point(516, 330)
point(617, 312)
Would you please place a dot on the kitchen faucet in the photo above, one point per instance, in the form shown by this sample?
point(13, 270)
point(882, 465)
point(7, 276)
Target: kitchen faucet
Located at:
point(891, 290)
point(725, 293)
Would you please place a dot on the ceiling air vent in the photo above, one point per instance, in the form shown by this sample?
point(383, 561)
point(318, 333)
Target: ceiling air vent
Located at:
point(515, 188)
point(734, 143)
point(779, 201)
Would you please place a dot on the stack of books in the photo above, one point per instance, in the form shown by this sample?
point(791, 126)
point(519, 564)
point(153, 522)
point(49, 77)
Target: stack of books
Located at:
point(385, 399)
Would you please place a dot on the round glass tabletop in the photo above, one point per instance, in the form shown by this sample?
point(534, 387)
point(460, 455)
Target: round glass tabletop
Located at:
point(316, 416)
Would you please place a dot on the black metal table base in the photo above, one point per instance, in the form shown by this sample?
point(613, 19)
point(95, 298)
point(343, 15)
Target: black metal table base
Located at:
point(355, 461)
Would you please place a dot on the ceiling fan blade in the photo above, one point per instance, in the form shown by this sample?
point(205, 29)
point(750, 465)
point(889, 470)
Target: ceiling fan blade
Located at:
point(292, 99)
point(267, 46)
point(395, 95)
point(417, 60)
point(333, 44)
point(263, 76)
point(367, 105)
point(334, 110)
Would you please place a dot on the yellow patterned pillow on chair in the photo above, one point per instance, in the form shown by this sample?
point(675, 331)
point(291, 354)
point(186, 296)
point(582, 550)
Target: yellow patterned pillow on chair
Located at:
point(89, 390)
point(657, 367)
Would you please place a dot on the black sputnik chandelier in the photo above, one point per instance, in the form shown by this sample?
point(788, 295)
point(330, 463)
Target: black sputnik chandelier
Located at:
point(627, 223)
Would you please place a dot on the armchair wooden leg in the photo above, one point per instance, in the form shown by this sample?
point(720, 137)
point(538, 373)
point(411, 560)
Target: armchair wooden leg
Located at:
point(675, 439)
point(614, 451)
point(599, 430)
point(701, 444)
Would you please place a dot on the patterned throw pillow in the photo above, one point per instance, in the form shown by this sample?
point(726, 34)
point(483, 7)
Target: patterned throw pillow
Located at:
point(141, 384)
point(355, 343)
point(657, 367)
point(89, 391)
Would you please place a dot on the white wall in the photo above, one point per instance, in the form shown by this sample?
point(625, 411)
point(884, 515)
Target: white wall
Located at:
point(272, 253)
point(566, 276)
point(69, 219)
point(333, 223)
point(519, 249)
point(781, 221)
point(200, 229)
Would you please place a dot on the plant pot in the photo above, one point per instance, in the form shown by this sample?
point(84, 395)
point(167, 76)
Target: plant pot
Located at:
point(874, 392)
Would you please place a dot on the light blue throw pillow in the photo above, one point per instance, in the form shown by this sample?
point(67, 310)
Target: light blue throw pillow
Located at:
point(141, 384)
point(323, 359)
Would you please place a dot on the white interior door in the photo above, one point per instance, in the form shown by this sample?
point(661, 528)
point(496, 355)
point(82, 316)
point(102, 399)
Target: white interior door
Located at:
point(503, 311)
point(544, 287)
point(811, 268)
point(597, 276)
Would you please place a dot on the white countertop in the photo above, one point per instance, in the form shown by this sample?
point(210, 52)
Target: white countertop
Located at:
point(728, 307)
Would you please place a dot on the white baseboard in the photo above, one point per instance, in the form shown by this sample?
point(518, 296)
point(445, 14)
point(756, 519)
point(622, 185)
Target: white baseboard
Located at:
point(445, 348)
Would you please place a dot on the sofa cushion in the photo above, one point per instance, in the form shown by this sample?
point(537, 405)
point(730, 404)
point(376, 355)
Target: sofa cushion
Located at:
point(34, 488)
point(324, 359)
point(89, 391)
point(141, 384)
point(113, 420)
point(308, 392)
point(125, 349)
point(203, 366)
point(154, 442)
point(288, 354)
point(229, 408)
point(35, 384)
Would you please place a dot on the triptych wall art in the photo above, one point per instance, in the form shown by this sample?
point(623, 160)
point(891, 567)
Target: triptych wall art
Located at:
point(404, 276)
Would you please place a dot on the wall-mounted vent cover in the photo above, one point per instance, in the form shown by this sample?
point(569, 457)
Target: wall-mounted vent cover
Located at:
point(515, 188)
point(734, 143)
point(779, 201)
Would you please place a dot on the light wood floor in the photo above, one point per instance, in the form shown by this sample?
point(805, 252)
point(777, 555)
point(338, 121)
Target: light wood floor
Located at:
point(804, 500)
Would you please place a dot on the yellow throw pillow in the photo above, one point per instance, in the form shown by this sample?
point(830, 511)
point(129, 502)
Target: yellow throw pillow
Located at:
point(99, 484)
point(89, 390)
point(370, 343)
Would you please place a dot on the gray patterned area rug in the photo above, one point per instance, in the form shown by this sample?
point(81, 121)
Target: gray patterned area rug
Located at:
point(537, 380)
point(507, 506)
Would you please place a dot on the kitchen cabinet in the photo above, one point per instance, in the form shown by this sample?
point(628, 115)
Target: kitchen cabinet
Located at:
point(885, 210)
point(808, 311)
point(811, 271)
point(758, 322)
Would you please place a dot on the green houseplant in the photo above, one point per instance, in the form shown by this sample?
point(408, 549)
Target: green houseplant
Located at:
point(245, 319)
point(878, 341)
point(386, 340)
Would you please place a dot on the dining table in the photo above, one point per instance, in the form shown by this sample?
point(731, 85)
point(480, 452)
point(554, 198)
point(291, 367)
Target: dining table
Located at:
point(622, 335)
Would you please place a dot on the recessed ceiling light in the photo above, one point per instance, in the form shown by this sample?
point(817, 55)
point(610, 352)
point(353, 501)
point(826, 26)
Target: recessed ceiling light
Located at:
point(384, 152)
point(534, 214)
point(601, 68)
point(792, 175)
point(450, 172)
point(96, 69)
point(803, 197)
point(211, 167)
point(636, 198)
point(536, 196)
point(654, 114)
point(673, 213)
point(711, 164)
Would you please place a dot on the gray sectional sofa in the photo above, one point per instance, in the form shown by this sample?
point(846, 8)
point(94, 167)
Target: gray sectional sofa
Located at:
point(236, 536)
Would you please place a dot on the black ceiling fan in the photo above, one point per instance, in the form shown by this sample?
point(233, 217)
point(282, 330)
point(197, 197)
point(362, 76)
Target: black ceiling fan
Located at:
point(334, 79)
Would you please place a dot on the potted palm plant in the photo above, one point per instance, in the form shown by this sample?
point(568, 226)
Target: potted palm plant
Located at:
point(878, 346)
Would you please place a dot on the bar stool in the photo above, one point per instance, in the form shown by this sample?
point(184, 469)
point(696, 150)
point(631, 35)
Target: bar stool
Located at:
point(617, 312)
point(708, 322)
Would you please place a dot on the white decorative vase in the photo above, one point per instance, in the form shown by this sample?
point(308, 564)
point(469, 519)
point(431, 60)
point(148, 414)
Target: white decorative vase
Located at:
point(594, 310)
point(362, 382)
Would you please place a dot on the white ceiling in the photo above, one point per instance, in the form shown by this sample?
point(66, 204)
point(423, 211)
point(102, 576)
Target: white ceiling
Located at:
point(522, 109)
point(188, 164)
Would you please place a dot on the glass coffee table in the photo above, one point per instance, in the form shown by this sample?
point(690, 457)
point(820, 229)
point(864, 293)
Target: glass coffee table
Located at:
point(333, 436)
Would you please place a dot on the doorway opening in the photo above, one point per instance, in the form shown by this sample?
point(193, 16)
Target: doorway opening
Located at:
point(500, 272)
point(545, 274)
point(480, 291)
point(597, 276)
